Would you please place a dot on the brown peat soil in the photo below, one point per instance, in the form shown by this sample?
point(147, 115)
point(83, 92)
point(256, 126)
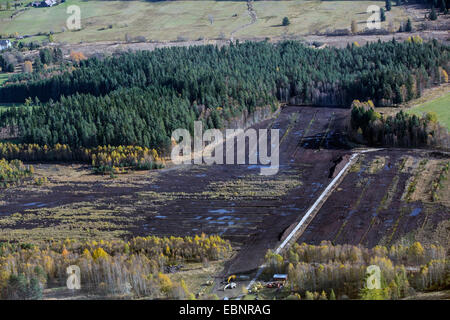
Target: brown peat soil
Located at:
point(385, 195)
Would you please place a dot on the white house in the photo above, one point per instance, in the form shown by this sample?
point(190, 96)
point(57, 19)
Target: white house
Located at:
point(49, 3)
point(44, 3)
point(5, 44)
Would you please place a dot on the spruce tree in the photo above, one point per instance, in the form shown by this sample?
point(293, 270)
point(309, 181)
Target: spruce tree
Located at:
point(408, 27)
point(382, 15)
point(286, 21)
point(443, 6)
point(332, 295)
point(388, 5)
point(433, 14)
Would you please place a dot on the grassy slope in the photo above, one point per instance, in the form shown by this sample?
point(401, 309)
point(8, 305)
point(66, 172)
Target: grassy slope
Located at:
point(169, 20)
point(3, 78)
point(439, 105)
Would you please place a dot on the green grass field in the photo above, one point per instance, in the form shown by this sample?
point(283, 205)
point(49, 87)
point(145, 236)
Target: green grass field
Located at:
point(3, 78)
point(441, 106)
point(112, 20)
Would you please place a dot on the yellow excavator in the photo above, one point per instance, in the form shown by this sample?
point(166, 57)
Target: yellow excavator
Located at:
point(230, 284)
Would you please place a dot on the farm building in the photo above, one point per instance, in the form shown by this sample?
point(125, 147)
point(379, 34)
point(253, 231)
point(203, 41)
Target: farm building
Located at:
point(50, 3)
point(5, 44)
point(45, 3)
point(280, 277)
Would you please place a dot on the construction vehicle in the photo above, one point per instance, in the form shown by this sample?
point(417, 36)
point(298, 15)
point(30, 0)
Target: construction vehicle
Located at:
point(230, 285)
point(274, 284)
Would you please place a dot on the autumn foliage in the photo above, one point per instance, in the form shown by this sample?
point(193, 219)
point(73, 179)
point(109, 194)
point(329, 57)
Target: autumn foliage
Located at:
point(400, 130)
point(341, 269)
point(13, 172)
point(132, 268)
point(103, 158)
point(77, 56)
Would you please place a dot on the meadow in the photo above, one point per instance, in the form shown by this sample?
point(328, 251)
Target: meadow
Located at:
point(3, 78)
point(192, 20)
point(439, 105)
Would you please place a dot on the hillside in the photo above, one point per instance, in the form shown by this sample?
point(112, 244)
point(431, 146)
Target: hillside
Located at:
point(192, 20)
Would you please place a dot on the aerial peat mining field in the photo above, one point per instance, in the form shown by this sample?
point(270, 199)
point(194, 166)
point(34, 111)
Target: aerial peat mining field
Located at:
point(384, 195)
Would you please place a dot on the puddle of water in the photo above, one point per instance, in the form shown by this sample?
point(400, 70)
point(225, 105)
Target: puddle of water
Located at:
point(317, 186)
point(415, 212)
point(221, 211)
point(350, 214)
point(216, 222)
point(290, 207)
point(161, 217)
point(255, 166)
point(201, 175)
point(227, 217)
point(30, 204)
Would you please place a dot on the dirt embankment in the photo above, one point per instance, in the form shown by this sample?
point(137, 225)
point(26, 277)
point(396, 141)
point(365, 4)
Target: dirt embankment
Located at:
point(339, 164)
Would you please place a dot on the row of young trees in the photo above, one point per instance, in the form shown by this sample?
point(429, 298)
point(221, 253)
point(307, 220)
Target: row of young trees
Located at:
point(102, 158)
point(140, 98)
point(13, 172)
point(134, 268)
point(341, 270)
point(402, 130)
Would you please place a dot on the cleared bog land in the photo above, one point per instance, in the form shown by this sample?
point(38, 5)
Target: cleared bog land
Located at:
point(191, 20)
point(385, 195)
point(250, 210)
point(233, 201)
